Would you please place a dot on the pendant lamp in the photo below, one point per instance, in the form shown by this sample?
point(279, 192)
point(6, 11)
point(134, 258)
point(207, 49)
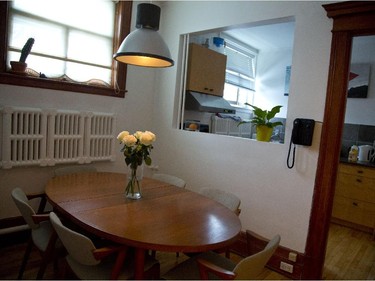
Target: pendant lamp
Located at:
point(144, 46)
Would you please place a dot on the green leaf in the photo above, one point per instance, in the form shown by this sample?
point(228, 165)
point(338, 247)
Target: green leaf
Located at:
point(271, 114)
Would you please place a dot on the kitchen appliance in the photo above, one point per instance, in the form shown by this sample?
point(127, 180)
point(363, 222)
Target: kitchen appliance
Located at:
point(207, 103)
point(196, 126)
point(366, 152)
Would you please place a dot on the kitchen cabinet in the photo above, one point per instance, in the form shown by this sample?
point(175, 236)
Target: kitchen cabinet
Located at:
point(354, 200)
point(206, 70)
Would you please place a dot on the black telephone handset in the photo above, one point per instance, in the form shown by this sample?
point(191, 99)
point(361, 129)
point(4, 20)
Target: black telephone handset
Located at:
point(303, 130)
point(302, 134)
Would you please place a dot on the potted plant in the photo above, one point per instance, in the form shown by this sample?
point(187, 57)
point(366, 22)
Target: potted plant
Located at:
point(262, 121)
point(20, 66)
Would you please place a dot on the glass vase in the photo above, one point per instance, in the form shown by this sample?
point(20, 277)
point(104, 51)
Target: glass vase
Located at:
point(134, 182)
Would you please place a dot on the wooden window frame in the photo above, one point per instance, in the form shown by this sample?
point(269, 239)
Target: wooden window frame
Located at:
point(121, 30)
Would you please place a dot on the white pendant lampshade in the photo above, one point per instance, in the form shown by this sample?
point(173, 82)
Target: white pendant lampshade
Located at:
point(145, 46)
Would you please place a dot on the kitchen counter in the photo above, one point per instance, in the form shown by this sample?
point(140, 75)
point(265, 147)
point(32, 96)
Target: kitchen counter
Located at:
point(358, 163)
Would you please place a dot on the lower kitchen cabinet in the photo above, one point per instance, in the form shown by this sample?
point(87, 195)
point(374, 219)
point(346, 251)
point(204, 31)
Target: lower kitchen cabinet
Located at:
point(354, 200)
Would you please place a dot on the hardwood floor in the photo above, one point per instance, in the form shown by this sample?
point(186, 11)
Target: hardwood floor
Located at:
point(350, 255)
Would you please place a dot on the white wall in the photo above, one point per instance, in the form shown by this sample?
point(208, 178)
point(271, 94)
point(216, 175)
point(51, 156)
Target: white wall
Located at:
point(270, 82)
point(274, 198)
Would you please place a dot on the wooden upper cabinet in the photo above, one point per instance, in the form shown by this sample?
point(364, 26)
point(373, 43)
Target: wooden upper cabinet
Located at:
point(206, 70)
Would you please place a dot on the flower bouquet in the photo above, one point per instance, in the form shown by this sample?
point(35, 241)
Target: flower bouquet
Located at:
point(136, 149)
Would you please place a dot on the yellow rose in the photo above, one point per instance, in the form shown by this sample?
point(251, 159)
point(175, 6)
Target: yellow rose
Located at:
point(147, 138)
point(151, 134)
point(122, 135)
point(138, 134)
point(129, 140)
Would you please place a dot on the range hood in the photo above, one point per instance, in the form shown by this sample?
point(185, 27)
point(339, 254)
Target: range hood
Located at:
point(207, 103)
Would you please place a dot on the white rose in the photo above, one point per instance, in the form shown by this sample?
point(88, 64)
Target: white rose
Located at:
point(122, 135)
point(147, 138)
point(138, 134)
point(151, 134)
point(129, 140)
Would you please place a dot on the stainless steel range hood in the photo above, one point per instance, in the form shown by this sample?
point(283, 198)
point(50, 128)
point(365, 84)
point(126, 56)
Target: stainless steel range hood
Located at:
point(207, 103)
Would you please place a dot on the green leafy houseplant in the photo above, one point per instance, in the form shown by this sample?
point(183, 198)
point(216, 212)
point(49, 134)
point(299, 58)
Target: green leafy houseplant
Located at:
point(262, 118)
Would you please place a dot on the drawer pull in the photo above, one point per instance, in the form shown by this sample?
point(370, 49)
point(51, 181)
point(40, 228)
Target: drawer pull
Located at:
point(359, 180)
point(355, 204)
point(360, 172)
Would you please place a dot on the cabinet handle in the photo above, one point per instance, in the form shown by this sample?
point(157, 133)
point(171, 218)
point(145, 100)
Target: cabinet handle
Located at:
point(355, 204)
point(359, 180)
point(360, 172)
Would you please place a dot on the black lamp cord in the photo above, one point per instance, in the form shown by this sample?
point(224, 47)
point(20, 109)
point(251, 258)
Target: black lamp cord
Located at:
point(290, 166)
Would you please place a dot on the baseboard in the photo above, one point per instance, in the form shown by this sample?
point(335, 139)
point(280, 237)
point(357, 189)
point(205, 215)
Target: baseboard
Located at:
point(353, 225)
point(12, 232)
point(11, 222)
point(281, 255)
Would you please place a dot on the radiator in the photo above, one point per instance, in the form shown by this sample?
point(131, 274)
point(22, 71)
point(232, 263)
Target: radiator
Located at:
point(228, 126)
point(47, 137)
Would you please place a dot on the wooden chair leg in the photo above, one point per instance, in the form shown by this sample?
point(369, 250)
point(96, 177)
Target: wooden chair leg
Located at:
point(25, 258)
point(227, 254)
point(47, 255)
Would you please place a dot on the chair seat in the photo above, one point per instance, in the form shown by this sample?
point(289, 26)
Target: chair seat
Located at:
point(103, 270)
point(188, 270)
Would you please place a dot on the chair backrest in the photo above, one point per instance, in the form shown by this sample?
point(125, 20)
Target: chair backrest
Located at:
point(79, 247)
point(228, 199)
point(170, 179)
point(74, 169)
point(250, 267)
point(22, 203)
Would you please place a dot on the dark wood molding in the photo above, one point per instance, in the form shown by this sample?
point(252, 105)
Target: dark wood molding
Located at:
point(119, 71)
point(281, 255)
point(349, 19)
point(11, 222)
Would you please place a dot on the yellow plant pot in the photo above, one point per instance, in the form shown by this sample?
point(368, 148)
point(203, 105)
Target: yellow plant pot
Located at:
point(264, 133)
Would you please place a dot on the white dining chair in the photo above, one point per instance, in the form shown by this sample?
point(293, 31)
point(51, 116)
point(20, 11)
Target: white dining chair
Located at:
point(169, 179)
point(228, 199)
point(108, 262)
point(42, 236)
point(211, 265)
point(74, 169)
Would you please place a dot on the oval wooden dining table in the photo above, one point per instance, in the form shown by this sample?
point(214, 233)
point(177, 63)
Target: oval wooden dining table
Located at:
point(167, 218)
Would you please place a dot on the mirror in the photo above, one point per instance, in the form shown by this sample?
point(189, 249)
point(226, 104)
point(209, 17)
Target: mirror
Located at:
point(256, 70)
point(359, 123)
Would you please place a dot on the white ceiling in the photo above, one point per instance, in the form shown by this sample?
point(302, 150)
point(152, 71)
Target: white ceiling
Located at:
point(265, 37)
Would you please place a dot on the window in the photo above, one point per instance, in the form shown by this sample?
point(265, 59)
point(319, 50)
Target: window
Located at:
point(240, 72)
point(78, 51)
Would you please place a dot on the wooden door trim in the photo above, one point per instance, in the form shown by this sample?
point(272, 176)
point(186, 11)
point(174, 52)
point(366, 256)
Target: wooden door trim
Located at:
point(349, 19)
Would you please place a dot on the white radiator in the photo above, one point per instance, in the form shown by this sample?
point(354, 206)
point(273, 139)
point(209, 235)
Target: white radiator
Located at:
point(228, 126)
point(33, 136)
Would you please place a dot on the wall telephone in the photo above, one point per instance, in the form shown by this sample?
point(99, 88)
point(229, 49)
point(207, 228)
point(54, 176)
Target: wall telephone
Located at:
point(302, 134)
point(303, 130)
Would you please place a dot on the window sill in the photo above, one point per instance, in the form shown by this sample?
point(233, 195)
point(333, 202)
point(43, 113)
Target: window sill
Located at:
point(45, 83)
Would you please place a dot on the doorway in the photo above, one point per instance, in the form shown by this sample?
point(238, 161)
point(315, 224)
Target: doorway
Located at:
point(349, 19)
